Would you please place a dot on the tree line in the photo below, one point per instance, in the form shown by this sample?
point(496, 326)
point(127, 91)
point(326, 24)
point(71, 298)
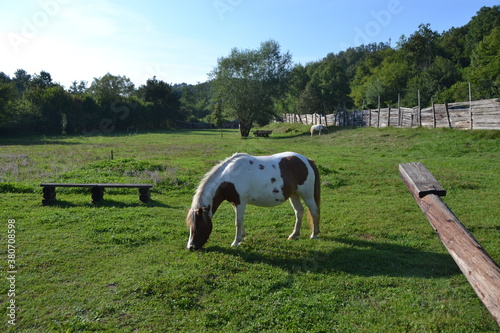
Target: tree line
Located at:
point(255, 86)
point(36, 104)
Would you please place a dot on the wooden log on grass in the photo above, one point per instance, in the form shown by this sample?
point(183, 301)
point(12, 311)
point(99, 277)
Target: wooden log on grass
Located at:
point(478, 267)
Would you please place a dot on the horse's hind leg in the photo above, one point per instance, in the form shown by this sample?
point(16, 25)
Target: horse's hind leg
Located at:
point(313, 216)
point(299, 213)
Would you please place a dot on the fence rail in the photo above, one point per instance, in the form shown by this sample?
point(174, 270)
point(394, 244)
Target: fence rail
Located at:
point(483, 114)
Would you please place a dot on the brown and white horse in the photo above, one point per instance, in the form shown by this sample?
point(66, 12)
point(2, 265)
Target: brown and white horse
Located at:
point(256, 180)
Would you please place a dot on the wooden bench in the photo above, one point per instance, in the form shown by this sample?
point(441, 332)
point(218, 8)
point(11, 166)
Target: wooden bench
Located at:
point(97, 190)
point(262, 134)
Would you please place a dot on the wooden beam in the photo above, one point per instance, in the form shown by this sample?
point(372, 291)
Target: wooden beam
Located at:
point(475, 263)
point(419, 180)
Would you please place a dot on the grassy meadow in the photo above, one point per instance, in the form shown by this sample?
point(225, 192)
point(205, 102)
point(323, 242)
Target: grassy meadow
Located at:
point(122, 266)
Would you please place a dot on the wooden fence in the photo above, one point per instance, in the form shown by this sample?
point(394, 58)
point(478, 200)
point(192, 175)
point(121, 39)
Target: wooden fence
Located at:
point(483, 114)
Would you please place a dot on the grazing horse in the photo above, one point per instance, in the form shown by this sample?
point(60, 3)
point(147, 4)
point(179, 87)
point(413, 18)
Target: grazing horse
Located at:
point(318, 128)
point(256, 180)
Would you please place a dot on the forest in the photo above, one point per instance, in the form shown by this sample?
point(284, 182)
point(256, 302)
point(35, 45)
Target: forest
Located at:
point(437, 65)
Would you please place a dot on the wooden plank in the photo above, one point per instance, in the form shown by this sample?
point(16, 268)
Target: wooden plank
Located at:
point(119, 185)
point(115, 185)
point(419, 180)
point(475, 263)
point(67, 185)
point(478, 267)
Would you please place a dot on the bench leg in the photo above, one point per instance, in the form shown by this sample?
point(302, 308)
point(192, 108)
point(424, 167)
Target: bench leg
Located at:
point(144, 194)
point(49, 195)
point(97, 194)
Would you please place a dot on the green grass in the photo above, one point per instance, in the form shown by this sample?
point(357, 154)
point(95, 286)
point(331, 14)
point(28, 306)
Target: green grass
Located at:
point(122, 265)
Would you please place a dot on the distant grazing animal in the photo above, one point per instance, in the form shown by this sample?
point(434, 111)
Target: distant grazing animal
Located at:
point(318, 128)
point(256, 180)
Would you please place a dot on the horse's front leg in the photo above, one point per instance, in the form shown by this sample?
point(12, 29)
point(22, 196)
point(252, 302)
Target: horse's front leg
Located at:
point(239, 210)
point(299, 213)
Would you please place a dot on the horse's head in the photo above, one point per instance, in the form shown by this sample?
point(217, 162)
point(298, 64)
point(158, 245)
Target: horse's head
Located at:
point(200, 227)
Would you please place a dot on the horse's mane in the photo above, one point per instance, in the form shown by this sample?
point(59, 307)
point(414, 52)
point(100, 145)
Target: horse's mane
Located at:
point(206, 189)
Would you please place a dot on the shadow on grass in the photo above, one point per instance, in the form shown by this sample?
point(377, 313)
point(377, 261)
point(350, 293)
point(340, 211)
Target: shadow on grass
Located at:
point(356, 257)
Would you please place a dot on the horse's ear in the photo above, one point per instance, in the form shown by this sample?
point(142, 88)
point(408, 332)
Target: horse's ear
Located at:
point(199, 211)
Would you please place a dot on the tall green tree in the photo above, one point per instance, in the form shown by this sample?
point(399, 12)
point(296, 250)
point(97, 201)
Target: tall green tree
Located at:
point(481, 25)
point(484, 72)
point(112, 94)
point(330, 81)
point(49, 105)
point(109, 89)
point(249, 81)
point(162, 102)
point(298, 79)
point(420, 48)
point(21, 79)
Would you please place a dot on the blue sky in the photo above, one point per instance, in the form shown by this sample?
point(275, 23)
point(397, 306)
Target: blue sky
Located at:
point(180, 41)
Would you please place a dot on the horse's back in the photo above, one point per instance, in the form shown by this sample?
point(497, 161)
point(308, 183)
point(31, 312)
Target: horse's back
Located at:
point(270, 180)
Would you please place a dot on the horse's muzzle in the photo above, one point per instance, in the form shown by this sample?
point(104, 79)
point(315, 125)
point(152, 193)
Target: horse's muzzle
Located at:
point(194, 247)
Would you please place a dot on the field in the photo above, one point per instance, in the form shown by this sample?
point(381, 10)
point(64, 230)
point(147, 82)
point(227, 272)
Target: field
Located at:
point(122, 266)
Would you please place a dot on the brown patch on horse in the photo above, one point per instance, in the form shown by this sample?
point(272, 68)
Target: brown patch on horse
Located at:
point(294, 173)
point(226, 191)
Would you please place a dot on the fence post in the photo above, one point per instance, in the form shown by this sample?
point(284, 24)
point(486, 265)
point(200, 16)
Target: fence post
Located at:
point(388, 115)
point(447, 114)
point(433, 113)
point(419, 115)
point(378, 118)
point(478, 267)
point(470, 106)
point(399, 110)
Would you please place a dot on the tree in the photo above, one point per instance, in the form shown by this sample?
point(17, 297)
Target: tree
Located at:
point(484, 72)
point(249, 81)
point(385, 80)
point(42, 80)
point(8, 97)
point(163, 103)
point(50, 106)
point(481, 26)
point(298, 79)
point(78, 88)
point(330, 80)
point(109, 89)
point(111, 93)
point(21, 79)
point(310, 100)
point(420, 49)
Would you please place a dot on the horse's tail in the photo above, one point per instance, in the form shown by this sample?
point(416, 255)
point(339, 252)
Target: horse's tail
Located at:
point(317, 195)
